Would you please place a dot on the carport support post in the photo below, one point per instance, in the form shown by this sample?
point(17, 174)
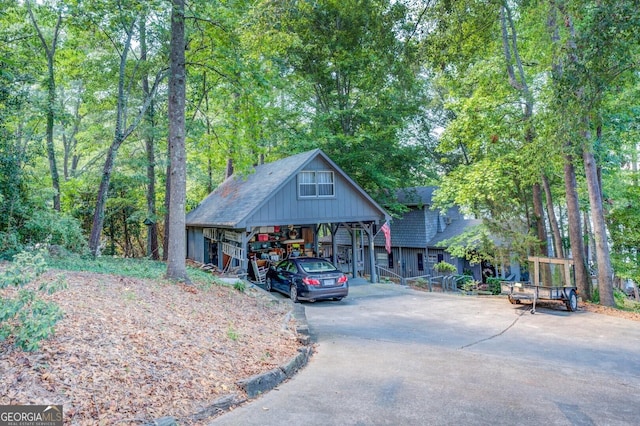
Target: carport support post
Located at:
point(245, 246)
point(372, 255)
point(316, 230)
point(334, 243)
point(354, 252)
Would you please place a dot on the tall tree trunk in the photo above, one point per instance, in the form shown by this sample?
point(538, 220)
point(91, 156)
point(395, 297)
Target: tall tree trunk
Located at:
point(98, 214)
point(605, 272)
point(167, 206)
point(120, 134)
point(553, 220)
point(229, 169)
point(152, 228)
point(176, 258)
point(151, 220)
point(583, 282)
point(590, 246)
point(51, 101)
point(518, 80)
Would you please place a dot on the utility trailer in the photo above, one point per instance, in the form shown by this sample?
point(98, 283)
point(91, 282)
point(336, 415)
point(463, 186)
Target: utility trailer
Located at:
point(547, 272)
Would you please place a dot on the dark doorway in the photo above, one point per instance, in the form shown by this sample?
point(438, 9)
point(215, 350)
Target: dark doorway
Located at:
point(210, 252)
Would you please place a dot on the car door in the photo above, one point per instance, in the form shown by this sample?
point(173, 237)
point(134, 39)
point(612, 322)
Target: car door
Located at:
point(283, 276)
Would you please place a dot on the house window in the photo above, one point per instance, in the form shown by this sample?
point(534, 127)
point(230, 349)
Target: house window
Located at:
point(316, 184)
point(390, 260)
point(420, 262)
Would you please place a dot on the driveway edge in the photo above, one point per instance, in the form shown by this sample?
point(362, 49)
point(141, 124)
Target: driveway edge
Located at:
point(260, 383)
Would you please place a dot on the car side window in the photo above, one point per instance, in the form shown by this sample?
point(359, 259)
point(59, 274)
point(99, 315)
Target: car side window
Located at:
point(289, 267)
point(285, 266)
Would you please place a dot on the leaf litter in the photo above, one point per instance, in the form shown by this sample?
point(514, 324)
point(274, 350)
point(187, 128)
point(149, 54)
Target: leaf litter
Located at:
point(129, 351)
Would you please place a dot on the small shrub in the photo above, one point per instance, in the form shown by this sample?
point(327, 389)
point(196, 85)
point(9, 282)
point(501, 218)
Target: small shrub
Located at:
point(240, 286)
point(27, 317)
point(469, 285)
point(445, 268)
point(9, 245)
point(421, 283)
point(621, 300)
point(494, 285)
point(54, 228)
point(464, 279)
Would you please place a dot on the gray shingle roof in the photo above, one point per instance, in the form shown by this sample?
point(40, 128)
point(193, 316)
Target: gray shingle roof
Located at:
point(232, 203)
point(238, 196)
point(454, 229)
point(412, 229)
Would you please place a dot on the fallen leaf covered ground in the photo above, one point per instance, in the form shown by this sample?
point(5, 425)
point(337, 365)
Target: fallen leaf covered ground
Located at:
point(129, 351)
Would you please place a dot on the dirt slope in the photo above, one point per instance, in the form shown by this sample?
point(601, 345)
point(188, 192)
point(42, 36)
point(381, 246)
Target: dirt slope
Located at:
point(129, 351)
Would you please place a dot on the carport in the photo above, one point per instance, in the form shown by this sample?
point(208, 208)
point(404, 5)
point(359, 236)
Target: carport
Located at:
point(282, 209)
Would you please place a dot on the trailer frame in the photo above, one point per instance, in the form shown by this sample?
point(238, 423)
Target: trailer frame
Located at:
point(517, 291)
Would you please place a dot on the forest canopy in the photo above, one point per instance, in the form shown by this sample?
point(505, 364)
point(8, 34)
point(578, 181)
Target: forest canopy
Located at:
point(524, 114)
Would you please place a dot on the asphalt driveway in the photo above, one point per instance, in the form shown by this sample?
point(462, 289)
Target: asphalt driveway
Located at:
point(389, 355)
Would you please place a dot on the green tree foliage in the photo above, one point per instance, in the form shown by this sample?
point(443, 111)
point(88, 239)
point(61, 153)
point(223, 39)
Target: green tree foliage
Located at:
point(353, 84)
point(25, 216)
point(621, 181)
point(574, 56)
point(398, 93)
point(229, 111)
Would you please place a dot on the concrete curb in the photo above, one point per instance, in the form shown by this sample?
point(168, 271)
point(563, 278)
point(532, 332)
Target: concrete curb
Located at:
point(260, 383)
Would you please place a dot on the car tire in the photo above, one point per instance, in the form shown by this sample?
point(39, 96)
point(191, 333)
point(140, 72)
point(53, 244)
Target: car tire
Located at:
point(268, 285)
point(293, 293)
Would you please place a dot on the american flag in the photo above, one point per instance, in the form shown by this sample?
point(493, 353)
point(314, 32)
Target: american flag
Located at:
point(386, 230)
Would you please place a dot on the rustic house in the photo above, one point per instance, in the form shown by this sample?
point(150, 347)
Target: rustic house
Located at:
point(415, 239)
point(281, 209)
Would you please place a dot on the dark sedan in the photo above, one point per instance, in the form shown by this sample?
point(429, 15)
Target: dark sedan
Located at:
point(307, 278)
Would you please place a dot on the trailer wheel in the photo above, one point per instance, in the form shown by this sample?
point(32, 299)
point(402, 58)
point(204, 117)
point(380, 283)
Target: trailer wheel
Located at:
point(572, 301)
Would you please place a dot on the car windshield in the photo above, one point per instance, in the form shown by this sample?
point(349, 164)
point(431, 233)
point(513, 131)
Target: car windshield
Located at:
point(317, 266)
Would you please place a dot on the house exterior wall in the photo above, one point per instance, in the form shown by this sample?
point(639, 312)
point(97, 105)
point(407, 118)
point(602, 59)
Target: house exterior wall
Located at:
point(407, 264)
point(195, 244)
point(411, 252)
point(405, 260)
point(287, 207)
